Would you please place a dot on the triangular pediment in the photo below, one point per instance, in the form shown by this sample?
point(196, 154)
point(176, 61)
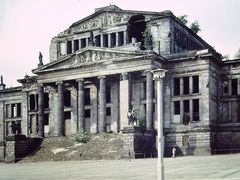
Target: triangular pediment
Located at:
point(88, 57)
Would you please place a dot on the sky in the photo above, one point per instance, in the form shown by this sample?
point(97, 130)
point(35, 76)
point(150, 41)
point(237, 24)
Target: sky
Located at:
point(27, 26)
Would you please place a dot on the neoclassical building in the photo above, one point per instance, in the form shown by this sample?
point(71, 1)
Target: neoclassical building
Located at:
point(102, 66)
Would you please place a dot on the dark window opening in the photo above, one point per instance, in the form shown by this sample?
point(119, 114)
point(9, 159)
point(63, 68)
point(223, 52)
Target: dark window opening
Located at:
point(113, 39)
point(46, 100)
point(67, 98)
point(19, 111)
point(46, 119)
point(108, 111)
point(36, 101)
point(105, 40)
point(225, 88)
point(108, 94)
point(136, 28)
point(83, 43)
point(98, 40)
point(196, 110)
point(76, 45)
point(69, 47)
point(186, 106)
point(176, 107)
point(87, 99)
point(234, 86)
point(186, 85)
point(32, 102)
point(195, 80)
point(67, 115)
point(120, 38)
point(176, 86)
point(87, 113)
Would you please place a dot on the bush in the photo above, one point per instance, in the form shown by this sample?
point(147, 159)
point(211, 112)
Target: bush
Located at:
point(82, 136)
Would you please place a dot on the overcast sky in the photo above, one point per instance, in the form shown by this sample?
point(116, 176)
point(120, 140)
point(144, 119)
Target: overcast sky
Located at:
point(27, 26)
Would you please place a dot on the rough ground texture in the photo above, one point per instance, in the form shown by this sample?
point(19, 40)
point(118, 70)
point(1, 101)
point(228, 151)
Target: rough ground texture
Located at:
point(100, 146)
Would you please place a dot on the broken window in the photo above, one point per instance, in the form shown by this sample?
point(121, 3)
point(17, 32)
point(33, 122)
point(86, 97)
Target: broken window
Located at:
point(195, 84)
point(87, 113)
point(186, 85)
point(67, 98)
point(69, 47)
point(120, 38)
point(195, 109)
point(176, 83)
point(76, 45)
point(108, 111)
point(113, 39)
point(108, 94)
point(83, 43)
point(176, 107)
point(67, 115)
point(98, 40)
point(136, 28)
point(46, 100)
point(87, 99)
point(105, 40)
point(234, 86)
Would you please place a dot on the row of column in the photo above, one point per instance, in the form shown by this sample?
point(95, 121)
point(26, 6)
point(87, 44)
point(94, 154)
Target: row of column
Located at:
point(125, 104)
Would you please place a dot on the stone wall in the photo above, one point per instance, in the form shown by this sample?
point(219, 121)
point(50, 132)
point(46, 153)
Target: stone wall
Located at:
point(1, 151)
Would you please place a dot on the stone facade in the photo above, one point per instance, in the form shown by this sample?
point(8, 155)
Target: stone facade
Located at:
point(102, 66)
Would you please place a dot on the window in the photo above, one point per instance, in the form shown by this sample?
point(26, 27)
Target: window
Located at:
point(13, 110)
point(108, 111)
point(176, 82)
point(19, 111)
point(67, 98)
point(105, 40)
point(234, 86)
point(186, 115)
point(186, 85)
point(98, 41)
point(67, 115)
point(46, 119)
point(32, 102)
point(69, 47)
point(108, 94)
point(195, 109)
point(76, 45)
point(176, 107)
point(120, 38)
point(195, 84)
point(186, 106)
point(87, 113)
point(87, 98)
point(113, 39)
point(46, 100)
point(83, 43)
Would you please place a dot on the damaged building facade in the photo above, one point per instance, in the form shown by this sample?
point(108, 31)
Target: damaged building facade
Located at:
point(103, 66)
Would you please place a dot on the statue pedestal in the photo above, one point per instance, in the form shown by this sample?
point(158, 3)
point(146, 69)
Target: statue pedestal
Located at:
point(138, 142)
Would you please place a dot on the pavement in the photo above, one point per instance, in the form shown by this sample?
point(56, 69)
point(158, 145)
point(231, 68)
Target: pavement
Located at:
point(214, 167)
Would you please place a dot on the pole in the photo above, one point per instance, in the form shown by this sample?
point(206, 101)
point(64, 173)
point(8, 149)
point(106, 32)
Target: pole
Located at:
point(160, 130)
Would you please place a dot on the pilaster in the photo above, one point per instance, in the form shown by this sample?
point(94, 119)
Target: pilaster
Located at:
point(102, 104)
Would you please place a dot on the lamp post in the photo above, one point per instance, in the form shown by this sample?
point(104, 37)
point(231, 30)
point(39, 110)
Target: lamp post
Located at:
point(158, 74)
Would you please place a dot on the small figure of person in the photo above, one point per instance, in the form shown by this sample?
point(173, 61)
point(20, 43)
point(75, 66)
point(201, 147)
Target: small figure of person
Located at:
point(173, 152)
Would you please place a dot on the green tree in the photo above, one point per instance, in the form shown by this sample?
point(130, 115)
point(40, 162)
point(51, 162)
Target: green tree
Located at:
point(195, 27)
point(183, 18)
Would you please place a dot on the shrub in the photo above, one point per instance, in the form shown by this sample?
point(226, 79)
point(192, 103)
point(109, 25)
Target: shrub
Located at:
point(82, 136)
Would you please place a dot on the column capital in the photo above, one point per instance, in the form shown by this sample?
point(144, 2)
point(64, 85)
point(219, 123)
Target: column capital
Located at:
point(159, 73)
point(124, 76)
point(81, 79)
point(101, 77)
point(59, 82)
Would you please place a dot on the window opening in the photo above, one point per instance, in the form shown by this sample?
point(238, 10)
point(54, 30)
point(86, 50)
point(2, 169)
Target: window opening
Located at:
point(76, 45)
point(87, 113)
point(83, 43)
point(108, 94)
point(120, 38)
point(105, 40)
point(87, 98)
point(176, 107)
point(113, 39)
point(46, 100)
point(234, 86)
point(67, 98)
point(69, 47)
point(98, 40)
point(195, 84)
point(195, 109)
point(176, 86)
point(108, 111)
point(67, 115)
point(186, 85)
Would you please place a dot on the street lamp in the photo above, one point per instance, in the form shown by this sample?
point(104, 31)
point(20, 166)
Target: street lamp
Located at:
point(158, 75)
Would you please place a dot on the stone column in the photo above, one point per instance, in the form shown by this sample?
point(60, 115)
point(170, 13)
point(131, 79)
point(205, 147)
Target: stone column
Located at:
point(149, 100)
point(125, 100)
point(60, 110)
point(41, 111)
point(117, 39)
point(101, 40)
point(81, 105)
point(109, 40)
point(102, 104)
point(125, 38)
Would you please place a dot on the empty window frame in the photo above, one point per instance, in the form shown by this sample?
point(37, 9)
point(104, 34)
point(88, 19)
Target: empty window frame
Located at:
point(195, 84)
point(87, 113)
point(186, 85)
point(234, 86)
point(176, 86)
point(69, 47)
point(113, 39)
point(105, 40)
point(176, 107)
point(67, 115)
point(195, 110)
point(83, 43)
point(46, 100)
point(108, 111)
point(32, 102)
point(120, 38)
point(67, 98)
point(76, 45)
point(98, 41)
point(87, 98)
point(46, 120)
